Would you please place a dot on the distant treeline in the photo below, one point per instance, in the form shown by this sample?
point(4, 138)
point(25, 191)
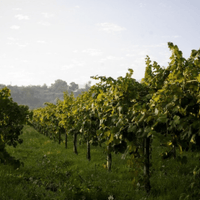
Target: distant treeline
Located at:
point(35, 96)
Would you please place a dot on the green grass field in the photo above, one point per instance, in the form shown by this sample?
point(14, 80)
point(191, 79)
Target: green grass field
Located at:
point(52, 172)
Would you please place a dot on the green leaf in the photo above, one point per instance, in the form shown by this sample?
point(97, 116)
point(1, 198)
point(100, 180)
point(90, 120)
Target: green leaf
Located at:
point(180, 148)
point(151, 133)
point(132, 128)
point(156, 98)
point(114, 130)
point(170, 105)
point(194, 53)
point(192, 140)
point(162, 119)
point(120, 109)
point(147, 129)
point(198, 77)
point(176, 119)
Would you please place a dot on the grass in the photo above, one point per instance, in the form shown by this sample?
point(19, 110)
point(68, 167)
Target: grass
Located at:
point(52, 172)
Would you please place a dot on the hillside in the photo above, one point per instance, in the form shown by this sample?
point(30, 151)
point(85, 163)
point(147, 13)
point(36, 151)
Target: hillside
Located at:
point(35, 96)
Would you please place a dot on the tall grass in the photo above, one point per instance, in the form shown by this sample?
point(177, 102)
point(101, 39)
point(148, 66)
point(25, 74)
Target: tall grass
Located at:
point(52, 172)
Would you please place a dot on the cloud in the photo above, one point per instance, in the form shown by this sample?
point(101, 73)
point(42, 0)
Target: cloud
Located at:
point(15, 27)
point(74, 8)
point(114, 58)
point(22, 17)
point(44, 23)
point(176, 36)
point(48, 15)
point(24, 61)
point(23, 78)
point(14, 42)
point(171, 36)
point(12, 38)
point(110, 27)
point(41, 42)
point(17, 9)
point(122, 72)
point(142, 5)
point(10, 43)
point(67, 67)
point(130, 55)
point(78, 63)
point(3, 55)
point(154, 45)
point(22, 45)
point(162, 4)
point(92, 52)
point(73, 65)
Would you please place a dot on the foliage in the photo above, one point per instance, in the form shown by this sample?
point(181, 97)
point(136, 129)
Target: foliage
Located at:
point(12, 119)
point(127, 116)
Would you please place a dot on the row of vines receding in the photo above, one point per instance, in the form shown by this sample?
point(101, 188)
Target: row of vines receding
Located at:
point(127, 115)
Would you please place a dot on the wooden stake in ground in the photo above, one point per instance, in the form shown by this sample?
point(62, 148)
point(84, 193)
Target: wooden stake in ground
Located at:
point(88, 150)
point(65, 139)
point(109, 159)
point(147, 163)
point(75, 143)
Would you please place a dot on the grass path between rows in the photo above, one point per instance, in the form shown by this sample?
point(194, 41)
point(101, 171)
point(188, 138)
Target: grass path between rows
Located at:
point(51, 172)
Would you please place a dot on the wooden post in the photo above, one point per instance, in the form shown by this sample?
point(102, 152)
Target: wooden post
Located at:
point(66, 139)
point(59, 137)
point(174, 151)
point(146, 146)
point(88, 150)
point(109, 159)
point(75, 143)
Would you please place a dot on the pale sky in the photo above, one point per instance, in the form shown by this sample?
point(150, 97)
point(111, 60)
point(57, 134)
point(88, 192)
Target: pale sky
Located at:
point(45, 40)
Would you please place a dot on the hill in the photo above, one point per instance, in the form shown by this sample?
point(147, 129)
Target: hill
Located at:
point(36, 96)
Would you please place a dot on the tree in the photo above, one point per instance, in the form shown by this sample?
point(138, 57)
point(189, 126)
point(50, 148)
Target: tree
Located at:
point(59, 86)
point(73, 86)
point(12, 119)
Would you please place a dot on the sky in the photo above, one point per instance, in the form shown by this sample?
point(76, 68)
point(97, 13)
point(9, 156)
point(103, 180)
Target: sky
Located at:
point(45, 40)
